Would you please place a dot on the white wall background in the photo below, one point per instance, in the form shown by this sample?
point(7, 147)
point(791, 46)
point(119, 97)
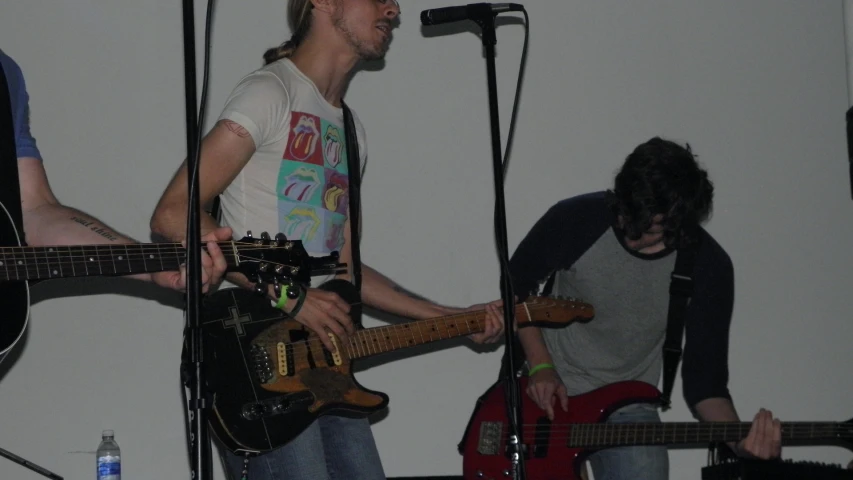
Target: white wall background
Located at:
point(758, 88)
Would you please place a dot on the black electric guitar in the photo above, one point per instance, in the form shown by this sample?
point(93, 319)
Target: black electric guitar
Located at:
point(263, 258)
point(269, 377)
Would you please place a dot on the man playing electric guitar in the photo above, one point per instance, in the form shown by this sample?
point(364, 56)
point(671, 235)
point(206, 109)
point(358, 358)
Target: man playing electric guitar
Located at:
point(283, 154)
point(616, 250)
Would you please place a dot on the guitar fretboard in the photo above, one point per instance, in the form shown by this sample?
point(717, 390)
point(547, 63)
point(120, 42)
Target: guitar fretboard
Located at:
point(378, 340)
point(37, 263)
point(685, 433)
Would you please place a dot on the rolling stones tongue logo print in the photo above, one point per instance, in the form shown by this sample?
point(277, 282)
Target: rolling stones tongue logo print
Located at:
point(303, 136)
point(313, 183)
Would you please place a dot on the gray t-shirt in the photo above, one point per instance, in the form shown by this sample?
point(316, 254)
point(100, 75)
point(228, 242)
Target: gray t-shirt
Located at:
point(576, 241)
point(626, 336)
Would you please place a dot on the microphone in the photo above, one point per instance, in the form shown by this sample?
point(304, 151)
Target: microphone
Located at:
point(472, 11)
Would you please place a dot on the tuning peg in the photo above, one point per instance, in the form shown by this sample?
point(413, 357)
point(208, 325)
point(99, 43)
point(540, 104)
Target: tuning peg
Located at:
point(280, 239)
point(248, 234)
point(276, 287)
point(265, 237)
point(261, 289)
point(293, 291)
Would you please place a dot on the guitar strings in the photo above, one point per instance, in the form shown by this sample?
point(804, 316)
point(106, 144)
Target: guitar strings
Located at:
point(399, 332)
point(22, 252)
point(82, 257)
point(144, 245)
point(597, 432)
point(356, 348)
point(359, 344)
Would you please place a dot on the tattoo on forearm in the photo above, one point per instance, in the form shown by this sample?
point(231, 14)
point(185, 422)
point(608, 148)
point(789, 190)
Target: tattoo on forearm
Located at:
point(99, 229)
point(236, 128)
point(402, 290)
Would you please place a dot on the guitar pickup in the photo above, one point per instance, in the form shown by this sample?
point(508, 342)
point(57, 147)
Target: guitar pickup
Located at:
point(285, 359)
point(333, 358)
point(541, 438)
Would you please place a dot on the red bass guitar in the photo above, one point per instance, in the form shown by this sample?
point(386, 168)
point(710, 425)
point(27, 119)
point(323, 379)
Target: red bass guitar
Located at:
point(556, 449)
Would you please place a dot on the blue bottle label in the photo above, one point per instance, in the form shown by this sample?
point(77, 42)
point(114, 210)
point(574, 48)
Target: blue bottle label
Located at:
point(109, 467)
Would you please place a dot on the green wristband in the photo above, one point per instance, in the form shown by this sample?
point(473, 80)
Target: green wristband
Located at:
point(286, 294)
point(299, 302)
point(541, 366)
point(281, 301)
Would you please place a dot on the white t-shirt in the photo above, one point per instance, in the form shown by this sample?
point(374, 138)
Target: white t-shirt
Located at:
point(296, 182)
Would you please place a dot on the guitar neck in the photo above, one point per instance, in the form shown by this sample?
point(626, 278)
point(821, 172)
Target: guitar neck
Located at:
point(40, 263)
point(373, 341)
point(686, 433)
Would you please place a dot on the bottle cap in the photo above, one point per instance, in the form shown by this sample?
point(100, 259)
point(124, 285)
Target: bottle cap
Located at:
point(108, 433)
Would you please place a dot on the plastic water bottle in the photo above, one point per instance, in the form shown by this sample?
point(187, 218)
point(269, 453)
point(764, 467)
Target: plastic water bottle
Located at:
point(109, 457)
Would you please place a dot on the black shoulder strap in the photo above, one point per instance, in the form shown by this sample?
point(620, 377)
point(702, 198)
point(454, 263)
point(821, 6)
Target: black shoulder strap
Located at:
point(680, 291)
point(215, 209)
point(354, 192)
point(10, 189)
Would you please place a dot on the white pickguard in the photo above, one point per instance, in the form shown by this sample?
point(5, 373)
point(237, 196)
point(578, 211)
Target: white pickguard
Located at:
point(27, 285)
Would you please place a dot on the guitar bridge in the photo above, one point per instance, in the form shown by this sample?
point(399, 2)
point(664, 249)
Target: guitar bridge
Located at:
point(262, 363)
point(489, 442)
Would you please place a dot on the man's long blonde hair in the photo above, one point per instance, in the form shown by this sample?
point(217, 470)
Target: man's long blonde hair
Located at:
point(299, 16)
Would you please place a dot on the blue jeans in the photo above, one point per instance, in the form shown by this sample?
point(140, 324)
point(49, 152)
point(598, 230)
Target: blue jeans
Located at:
point(631, 463)
point(332, 448)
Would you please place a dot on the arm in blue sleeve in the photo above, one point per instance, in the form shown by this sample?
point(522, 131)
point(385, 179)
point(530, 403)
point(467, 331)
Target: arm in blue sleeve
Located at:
point(24, 142)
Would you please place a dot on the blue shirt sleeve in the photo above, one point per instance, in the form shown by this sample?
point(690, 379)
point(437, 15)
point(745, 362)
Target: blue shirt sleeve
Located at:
point(25, 144)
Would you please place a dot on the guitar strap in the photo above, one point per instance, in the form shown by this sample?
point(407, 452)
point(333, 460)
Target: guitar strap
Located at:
point(10, 189)
point(354, 194)
point(680, 291)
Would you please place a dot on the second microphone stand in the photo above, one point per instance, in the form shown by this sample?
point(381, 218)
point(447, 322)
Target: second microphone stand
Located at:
point(513, 401)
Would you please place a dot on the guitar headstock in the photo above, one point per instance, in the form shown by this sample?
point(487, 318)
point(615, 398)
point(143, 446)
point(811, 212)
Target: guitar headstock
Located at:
point(266, 259)
point(557, 312)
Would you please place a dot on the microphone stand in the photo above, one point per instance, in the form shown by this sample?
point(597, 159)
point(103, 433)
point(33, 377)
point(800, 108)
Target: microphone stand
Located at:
point(514, 440)
point(200, 465)
point(28, 464)
point(849, 123)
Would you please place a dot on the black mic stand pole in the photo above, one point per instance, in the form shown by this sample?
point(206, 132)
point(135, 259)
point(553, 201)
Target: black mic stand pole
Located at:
point(28, 464)
point(200, 462)
point(514, 445)
point(848, 117)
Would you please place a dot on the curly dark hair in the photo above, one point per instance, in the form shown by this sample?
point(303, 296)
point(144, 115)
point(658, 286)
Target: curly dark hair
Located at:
point(661, 177)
